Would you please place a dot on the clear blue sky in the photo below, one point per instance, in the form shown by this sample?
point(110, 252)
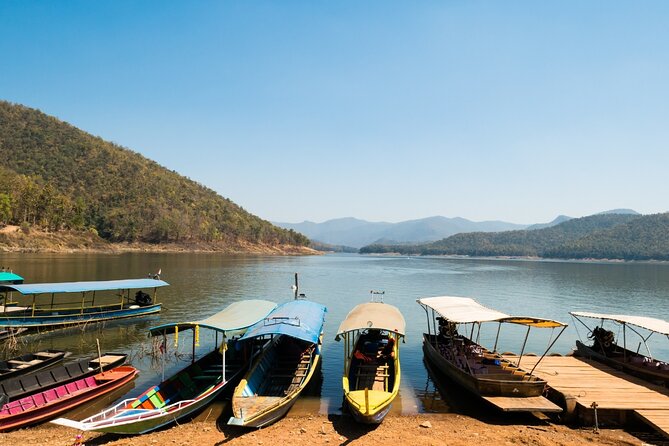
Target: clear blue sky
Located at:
point(383, 110)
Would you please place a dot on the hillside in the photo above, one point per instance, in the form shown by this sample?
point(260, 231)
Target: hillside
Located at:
point(357, 233)
point(57, 177)
point(602, 236)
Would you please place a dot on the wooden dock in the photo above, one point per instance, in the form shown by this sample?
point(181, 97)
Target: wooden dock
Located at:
point(577, 383)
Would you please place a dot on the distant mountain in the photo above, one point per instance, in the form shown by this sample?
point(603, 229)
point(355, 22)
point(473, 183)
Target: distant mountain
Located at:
point(357, 233)
point(618, 236)
point(57, 177)
point(620, 211)
point(559, 219)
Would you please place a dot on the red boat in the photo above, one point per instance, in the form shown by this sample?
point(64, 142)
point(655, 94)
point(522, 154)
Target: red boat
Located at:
point(41, 406)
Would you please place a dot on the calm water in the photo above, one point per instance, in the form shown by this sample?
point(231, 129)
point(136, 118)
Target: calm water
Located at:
point(202, 284)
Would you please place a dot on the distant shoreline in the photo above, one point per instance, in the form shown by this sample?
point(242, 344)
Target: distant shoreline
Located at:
point(516, 258)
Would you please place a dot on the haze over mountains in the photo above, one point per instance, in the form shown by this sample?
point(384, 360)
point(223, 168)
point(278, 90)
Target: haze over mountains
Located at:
point(357, 233)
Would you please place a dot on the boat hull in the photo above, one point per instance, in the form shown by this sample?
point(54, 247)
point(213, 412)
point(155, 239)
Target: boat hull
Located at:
point(56, 319)
point(265, 410)
point(375, 418)
point(106, 382)
point(122, 419)
point(481, 385)
point(31, 363)
point(641, 371)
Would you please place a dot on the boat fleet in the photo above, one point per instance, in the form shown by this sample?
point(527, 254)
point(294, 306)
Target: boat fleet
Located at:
point(266, 354)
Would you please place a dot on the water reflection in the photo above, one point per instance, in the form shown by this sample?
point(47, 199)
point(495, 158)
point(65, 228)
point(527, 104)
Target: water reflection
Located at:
point(202, 284)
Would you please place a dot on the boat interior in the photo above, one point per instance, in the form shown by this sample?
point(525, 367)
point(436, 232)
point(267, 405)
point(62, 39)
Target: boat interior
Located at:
point(604, 342)
point(476, 360)
point(372, 365)
point(27, 360)
point(188, 383)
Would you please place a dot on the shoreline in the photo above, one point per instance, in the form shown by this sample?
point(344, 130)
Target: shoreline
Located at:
point(425, 429)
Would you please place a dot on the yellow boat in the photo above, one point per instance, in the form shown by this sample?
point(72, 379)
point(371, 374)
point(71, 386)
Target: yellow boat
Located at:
point(371, 381)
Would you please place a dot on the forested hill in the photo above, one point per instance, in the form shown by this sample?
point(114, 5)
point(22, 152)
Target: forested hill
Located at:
point(55, 176)
point(603, 236)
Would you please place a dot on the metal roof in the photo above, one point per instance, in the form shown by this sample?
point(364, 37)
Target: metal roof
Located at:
point(80, 287)
point(649, 323)
point(301, 319)
point(376, 315)
point(464, 310)
point(236, 316)
point(10, 277)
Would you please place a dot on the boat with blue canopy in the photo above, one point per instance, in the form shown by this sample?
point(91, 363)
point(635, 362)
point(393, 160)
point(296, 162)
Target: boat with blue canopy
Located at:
point(286, 365)
point(55, 305)
point(192, 388)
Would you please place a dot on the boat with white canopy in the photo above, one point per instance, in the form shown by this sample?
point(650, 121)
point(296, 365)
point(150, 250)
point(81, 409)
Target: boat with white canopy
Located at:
point(192, 388)
point(371, 333)
point(605, 347)
point(480, 370)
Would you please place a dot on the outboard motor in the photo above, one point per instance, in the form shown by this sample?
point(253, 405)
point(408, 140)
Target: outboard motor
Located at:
point(143, 299)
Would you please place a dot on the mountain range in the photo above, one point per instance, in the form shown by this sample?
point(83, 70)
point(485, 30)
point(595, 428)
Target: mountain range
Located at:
point(356, 233)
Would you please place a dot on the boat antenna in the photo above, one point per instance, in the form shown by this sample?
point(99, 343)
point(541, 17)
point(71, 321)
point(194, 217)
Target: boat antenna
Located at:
point(377, 295)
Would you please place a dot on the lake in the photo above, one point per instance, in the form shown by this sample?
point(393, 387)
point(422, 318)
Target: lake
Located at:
point(202, 284)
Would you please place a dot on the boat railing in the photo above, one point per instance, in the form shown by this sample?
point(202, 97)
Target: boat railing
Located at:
point(115, 415)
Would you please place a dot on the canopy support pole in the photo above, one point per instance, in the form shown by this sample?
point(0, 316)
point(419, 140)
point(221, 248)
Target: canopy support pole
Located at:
point(624, 344)
point(224, 347)
point(162, 356)
point(499, 327)
point(522, 350)
point(548, 348)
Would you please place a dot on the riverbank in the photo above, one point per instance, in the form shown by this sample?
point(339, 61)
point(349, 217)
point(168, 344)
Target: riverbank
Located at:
point(13, 239)
point(427, 429)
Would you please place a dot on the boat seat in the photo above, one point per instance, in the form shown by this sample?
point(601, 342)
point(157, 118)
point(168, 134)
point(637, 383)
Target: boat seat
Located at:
point(60, 374)
point(29, 383)
point(45, 378)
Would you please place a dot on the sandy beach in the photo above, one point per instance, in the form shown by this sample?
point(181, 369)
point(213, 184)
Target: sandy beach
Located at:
point(425, 429)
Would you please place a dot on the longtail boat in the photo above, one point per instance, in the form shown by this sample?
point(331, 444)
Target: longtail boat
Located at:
point(56, 305)
point(371, 381)
point(284, 367)
point(41, 406)
point(21, 386)
point(605, 349)
point(30, 362)
point(483, 372)
point(192, 388)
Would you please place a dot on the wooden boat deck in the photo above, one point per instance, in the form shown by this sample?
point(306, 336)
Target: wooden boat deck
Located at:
point(256, 404)
point(523, 404)
point(585, 382)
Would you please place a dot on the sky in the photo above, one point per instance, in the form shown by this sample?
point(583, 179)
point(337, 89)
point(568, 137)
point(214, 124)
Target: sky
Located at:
point(380, 110)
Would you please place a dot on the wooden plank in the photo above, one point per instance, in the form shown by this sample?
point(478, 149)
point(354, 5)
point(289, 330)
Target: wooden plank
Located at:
point(525, 404)
point(658, 419)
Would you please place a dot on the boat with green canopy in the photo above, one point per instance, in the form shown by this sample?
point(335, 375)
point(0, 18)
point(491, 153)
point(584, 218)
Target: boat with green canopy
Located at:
point(371, 333)
point(192, 388)
point(56, 305)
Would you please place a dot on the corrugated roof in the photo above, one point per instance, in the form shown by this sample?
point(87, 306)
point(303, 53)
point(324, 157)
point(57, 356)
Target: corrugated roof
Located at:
point(236, 316)
point(301, 319)
point(376, 315)
point(649, 323)
point(80, 287)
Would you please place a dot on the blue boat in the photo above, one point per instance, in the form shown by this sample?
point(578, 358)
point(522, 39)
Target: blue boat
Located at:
point(57, 305)
point(287, 363)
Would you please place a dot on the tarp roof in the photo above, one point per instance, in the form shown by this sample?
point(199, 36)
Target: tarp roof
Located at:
point(10, 277)
point(649, 323)
point(80, 287)
point(236, 316)
point(377, 315)
point(301, 319)
point(464, 310)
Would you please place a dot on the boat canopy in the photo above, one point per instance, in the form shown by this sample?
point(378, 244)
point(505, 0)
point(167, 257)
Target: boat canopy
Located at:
point(8, 277)
point(300, 319)
point(649, 323)
point(236, 316)
point(82, 287)
point(376, 315)
point(465, 310)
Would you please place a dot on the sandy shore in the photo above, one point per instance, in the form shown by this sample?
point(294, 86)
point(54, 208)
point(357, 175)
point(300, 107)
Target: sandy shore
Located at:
point(444, 429)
